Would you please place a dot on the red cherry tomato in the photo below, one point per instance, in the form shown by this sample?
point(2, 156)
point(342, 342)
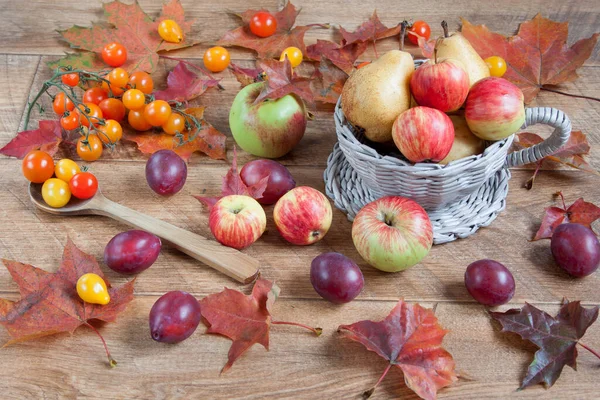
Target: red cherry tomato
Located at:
point(70, 79)
point(420, 28)
point(83, 185)
point(95, 95)
point(62, 103)
point(263, 24)
point(114, 54)
point(112, 109)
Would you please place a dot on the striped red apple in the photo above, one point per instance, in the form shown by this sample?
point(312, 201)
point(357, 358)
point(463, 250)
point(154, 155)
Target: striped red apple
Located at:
point(442, 85)
point(494, 108)
point(392, 233)
point(303, 215)
point(237, 221)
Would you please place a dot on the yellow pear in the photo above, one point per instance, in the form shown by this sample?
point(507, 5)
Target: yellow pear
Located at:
point(465, 143)
point(457, 47)
point(377, 93)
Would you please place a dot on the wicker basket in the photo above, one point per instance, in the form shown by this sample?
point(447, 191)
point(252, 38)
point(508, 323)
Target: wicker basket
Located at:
point(459, 197)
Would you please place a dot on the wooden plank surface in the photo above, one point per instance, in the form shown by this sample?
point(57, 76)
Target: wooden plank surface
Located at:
point(298, 365)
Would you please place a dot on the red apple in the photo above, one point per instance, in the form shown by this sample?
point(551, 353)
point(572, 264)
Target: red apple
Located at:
point(423, 134)
point(237, 221)
point(443, 85)
point(494, 109)
point(303, 215)
point(392, 233)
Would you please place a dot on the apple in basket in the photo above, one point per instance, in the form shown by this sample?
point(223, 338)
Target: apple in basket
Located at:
point(423, 134)
point(303, 215)
point(442, 85)
point(237, 221)
point(494, 109)
point(270, 128)
point(392, 233)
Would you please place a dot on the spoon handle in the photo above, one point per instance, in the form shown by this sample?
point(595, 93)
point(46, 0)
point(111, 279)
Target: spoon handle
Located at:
point(229, 261)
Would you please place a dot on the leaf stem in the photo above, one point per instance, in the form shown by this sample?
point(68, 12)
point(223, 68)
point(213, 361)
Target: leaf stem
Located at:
point(589, 349)
point(316, 331)
point(197, 67)
point(369, 392)
point(577, 96)
point(111, 361)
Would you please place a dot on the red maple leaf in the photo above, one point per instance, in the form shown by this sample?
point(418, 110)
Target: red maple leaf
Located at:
point(409, 338)
point(245, 320)
point(342, 56)
point(370, 30)
point(129, 25)
point(233, 184)
point(328, 82)
point(580, 212)
point(285, 36)
point(184, 85)
point(47, 138)
point(537, 56)
point(246, 76)
point(205, 139)
point(49, 302)
point(571, 154)
point(282, 80)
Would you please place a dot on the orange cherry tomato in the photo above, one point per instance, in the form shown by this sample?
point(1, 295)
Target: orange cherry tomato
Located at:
point(111, 132)
point(114, 54)
point(70, 79)
point(157, 113)
point(62, 103)
point(216, 59)
point(70, 121)
point(134, 99)
point(93, 112)
point(89, 149)
point(137, 121)
point(176, 123)
point(141, 80)
point(38, 166)
point(112, 109)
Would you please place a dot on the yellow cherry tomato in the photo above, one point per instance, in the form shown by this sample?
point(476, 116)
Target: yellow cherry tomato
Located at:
point(170, 31)
point(216, 59)
point(92, 289)
point(56, 192)
point(65, 169)
point(294, 54)
point(497, 66)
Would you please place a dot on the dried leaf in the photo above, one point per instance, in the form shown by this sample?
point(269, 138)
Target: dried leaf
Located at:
point(328, 82)
point(370, 30)
point(342, 56)
point(537, 56)
point(245, 76)
point(47, 138)
point(270, 47)
point(207, 140)
point(409, 338)
point(233, 184)
point(282, 80)
point(245, 320)
point(184, 85)
point(129, 25)
point(557, 337)
point(580, 212)
point(49, 302)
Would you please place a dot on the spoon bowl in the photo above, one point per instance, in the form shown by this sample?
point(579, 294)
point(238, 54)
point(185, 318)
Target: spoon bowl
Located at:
point(231, 262)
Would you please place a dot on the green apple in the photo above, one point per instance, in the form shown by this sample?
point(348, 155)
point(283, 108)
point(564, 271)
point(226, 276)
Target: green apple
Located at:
point(270, 128)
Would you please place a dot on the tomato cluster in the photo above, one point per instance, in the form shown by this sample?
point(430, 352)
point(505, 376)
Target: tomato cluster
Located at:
point(38, 167)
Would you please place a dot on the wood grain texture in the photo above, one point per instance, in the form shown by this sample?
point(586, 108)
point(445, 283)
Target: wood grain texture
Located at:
point(298, 365)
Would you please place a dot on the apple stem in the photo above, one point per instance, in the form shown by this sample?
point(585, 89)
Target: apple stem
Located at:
point(403, 24)
point(111, 361)
point(196, 67)
point(577, 96)
point(316, 331)
point(445, 28)
point(589, 349)
point(369, 392)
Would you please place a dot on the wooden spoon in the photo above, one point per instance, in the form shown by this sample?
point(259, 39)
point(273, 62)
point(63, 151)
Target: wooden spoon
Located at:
point(231, 262)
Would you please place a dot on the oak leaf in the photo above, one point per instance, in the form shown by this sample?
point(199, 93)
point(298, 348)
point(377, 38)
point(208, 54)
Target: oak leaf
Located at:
point(556, 337)
point(49, 302)
point(286, 35)
point(370, 30)
point(282, 80)
point(571, 154)
point(205, 139)
point(245, 320)
point(47, 138)
point(409, 338)
point(233, 184)
point(129, 25)
point(580, 212)
point(184, 85)
point(537, 56)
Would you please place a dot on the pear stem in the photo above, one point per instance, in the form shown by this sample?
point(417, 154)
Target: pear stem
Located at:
point(445, 28)
point(403, 24)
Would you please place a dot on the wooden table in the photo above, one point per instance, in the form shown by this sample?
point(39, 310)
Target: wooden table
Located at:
point(298, 365)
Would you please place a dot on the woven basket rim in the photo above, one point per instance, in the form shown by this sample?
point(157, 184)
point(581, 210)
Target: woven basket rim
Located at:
point(367, 151)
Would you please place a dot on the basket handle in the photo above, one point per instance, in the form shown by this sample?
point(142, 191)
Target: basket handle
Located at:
point(560, 136)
